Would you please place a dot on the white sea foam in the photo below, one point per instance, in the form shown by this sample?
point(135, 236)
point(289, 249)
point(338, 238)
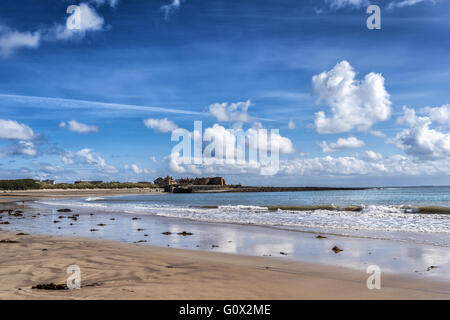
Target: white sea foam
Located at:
point(371, 217)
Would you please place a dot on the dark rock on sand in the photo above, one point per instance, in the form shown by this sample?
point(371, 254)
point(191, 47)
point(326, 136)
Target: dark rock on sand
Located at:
point(336, 249)
point(431, 267)
point(64, 210)
point(8, 241)
point(135, 218)
point(5, 222)
point(167, 233)
point(139, 229)
point(56, 221)
point(184, 233)
point(22, 234)
point(51, 286)
point(101, 224)
point(283, 253)
point(320, 237)
point(92, 230)
point(214, 246)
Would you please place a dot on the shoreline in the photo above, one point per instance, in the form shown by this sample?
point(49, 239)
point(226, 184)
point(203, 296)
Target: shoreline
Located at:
point(30, 195)
point(131, 271)
point(125, 270)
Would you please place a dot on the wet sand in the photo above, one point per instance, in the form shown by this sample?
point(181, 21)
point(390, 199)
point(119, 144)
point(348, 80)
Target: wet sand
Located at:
point(117, 270)
point(131, 271)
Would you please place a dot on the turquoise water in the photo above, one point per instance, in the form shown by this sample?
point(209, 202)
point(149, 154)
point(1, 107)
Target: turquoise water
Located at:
point(419, 196)
point(388, 210)
point(242, 223)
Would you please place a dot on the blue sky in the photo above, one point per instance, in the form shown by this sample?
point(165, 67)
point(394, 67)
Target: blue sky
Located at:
point(85, 94)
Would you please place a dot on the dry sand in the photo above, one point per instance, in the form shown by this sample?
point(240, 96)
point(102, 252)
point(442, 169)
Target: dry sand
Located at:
point(131, 271)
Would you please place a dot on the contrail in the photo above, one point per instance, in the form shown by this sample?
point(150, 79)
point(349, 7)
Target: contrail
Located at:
point(54, 103)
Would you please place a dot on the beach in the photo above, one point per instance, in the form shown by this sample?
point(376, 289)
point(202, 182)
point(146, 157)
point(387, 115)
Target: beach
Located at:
point(126, 254)
point(112, 270)
point(12, 196)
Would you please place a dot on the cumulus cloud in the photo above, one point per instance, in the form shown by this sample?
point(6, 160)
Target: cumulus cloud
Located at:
point(169, 8)
point(406, 3)
point(439, 115)
point(231, 112)
point(135, 168)
point(13, 130)
point(87, 18)
point(26, 149)
point(341, 143)
point(222, 148)
point(354, 104)
point(86, 157)
point(78, 127)
point(160, 125)
point(11, 40)
point(112, 3)
point(419, 140)
point(338, 4)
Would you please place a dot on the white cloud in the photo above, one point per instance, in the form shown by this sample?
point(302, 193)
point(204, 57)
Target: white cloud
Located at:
point(135, 168)
point(419, 140)
point(338, 4)
point(112, 3)
point(21, 148)
point(86, 156)
point(89, 20)
point(231, 112)
point(439, 115)
point(406, 3)
point(371, 155)
point(226, 142)
point(12, 130)
point(169, 8)
point(341, 143)
point(160, 125)
point(24, 148)
point(354, 104)
point(291, 125)
point(78, 127)
point(11, 40)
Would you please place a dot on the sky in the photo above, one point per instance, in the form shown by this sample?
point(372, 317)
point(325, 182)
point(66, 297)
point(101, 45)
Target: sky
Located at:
point(353, 106)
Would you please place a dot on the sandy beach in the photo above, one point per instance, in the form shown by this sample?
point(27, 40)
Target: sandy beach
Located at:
point(131, 271)
point(120, 270)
